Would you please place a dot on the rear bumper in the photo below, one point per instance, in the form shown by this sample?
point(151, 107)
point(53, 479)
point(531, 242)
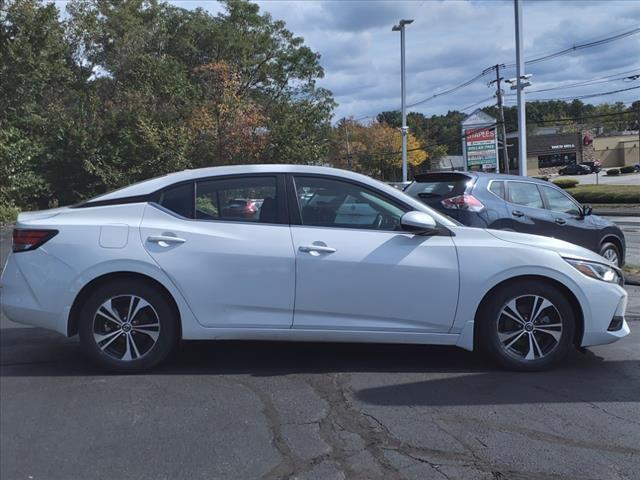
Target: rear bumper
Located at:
point(20, 303)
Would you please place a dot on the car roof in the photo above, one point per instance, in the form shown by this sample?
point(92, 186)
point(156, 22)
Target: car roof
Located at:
point(152, 185)
point(479, 175)
point(148, 187)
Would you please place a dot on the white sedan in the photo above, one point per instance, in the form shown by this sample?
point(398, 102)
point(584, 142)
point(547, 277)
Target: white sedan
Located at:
point(285, 252)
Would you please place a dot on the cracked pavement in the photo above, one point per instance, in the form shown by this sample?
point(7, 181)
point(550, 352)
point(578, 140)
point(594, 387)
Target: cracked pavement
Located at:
point(245, 410)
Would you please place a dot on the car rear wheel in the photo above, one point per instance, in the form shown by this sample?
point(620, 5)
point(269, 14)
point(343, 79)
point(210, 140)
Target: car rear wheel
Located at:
point(526, 326)
point(610, 251)
point(127, 326)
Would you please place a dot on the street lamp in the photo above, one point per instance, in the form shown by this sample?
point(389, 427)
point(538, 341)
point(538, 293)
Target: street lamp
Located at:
point(404, 129)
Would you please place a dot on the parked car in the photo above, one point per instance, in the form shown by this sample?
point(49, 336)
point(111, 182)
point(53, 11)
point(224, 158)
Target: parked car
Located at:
point(594, 166)
point(520, 204)
point(400, 185)
point(575, 169)
point(136, 270)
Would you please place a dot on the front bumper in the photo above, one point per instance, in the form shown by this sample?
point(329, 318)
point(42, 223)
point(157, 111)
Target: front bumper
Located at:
point(596, 331)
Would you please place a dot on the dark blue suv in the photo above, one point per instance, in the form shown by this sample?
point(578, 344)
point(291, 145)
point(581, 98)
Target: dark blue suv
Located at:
point(521, 204)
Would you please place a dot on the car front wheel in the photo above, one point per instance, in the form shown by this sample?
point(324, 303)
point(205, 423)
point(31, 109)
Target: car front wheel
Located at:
point(127, 326)
point(526, 326)
point(610, 251)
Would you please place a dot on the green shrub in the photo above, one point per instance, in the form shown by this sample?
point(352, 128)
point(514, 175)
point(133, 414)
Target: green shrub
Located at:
point(606, 193)
point(8, 214)
point(613, 171)
point(627, 169)
point(566, 182)
point(546, 179)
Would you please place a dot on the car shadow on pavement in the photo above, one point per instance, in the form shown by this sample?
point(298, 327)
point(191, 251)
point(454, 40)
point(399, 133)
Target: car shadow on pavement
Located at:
point(29, 352)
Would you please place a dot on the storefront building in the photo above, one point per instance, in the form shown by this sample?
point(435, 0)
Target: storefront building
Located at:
point(548, 153)
point(617, 150)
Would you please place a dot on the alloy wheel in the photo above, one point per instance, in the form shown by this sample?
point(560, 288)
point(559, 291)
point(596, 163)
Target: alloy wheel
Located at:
point(529, 327)
point(126, 327)
point(611, 255)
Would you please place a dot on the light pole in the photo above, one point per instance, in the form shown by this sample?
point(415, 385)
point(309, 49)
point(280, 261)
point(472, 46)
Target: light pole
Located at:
point(522, 115)
point(404, 130)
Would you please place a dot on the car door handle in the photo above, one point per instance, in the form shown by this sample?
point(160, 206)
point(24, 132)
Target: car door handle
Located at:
point(316, 248)
point(164, 240)
point(517, 213)
point(560, 221)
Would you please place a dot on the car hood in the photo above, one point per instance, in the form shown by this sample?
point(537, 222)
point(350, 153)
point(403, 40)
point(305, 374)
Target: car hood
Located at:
point(599, 221)
point(563, 248)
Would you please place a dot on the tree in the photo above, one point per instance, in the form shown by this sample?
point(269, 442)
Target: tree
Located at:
point(121, 91)
point(374, 149)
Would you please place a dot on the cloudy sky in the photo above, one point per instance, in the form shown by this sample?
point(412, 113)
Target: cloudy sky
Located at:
point(451, 41)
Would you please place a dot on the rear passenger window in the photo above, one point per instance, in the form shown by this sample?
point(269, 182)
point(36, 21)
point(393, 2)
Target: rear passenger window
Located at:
point(526, 194)
point(241, 199)
point(179, 200)
point(497, 188)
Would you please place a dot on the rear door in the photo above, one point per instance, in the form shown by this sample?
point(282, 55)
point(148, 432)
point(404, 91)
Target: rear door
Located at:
point(526, 212)
point(232, 259)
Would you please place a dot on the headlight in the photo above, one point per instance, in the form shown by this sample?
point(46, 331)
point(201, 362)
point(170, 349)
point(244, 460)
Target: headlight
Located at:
point(595, 270)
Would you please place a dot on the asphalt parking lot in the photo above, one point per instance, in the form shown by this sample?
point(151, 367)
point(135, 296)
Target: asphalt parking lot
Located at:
point(316, 411)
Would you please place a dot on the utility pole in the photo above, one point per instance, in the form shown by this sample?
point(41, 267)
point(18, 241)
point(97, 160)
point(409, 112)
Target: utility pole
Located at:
point(404, 129)
point(503, 130)
point(522, 114)
point(346, 131)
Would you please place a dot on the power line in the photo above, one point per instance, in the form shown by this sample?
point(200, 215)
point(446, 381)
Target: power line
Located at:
point(477, 103)
point(580, 97)
point(586, 117)
point(451, 90)
point(594, 81)
point(582, 46)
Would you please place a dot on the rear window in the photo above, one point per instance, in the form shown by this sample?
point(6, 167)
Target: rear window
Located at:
point(438, 187)
point(179, 199)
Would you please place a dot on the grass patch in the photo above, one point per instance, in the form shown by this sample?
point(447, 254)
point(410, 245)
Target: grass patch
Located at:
point(606, 193)
point(633, 270)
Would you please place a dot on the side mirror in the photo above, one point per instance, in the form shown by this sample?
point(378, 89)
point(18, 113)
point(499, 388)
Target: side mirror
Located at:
point(420, 223)
point(586, 210)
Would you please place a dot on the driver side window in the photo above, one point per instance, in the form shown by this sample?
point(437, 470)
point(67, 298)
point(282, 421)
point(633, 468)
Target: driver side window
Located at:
point(334, 203)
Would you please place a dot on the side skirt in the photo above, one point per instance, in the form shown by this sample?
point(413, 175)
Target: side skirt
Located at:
point(304, 335)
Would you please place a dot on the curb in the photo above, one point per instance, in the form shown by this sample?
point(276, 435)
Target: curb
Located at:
point(632, 279)
point(617, 213)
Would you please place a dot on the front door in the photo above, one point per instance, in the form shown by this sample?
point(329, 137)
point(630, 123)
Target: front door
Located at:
point(355, 268)
point(568, 222)
point(229, 251)
point(525, 209)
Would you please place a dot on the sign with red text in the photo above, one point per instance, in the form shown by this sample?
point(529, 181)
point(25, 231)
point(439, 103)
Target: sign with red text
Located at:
point(481, 147)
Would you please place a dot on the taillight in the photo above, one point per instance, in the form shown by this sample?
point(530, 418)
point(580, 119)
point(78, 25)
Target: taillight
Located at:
point(463, 202)
point(25, 240)
point(250, 209)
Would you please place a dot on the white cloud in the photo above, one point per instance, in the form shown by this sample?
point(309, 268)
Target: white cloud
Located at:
point(452, 41)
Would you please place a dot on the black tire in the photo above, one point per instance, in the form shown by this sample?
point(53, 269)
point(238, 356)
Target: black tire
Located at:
point(608, 246)
point(166, 338)
point(490, 316)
